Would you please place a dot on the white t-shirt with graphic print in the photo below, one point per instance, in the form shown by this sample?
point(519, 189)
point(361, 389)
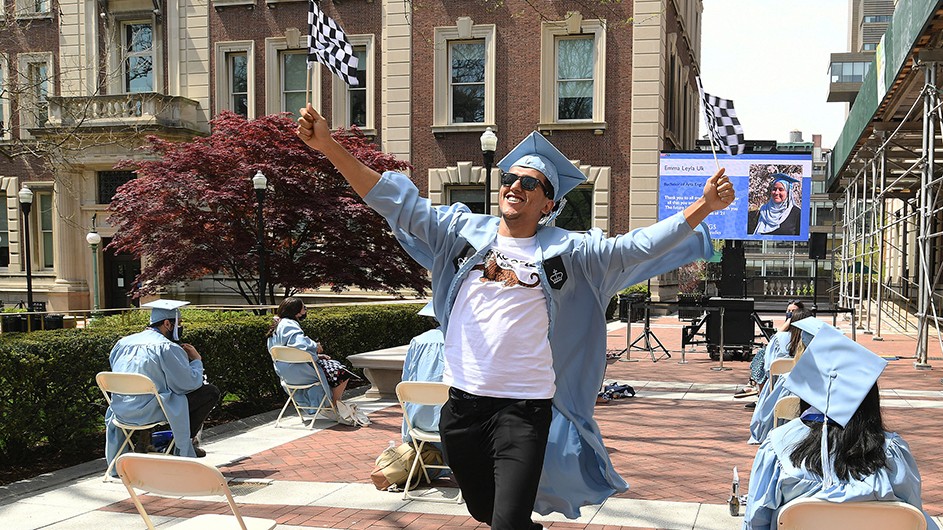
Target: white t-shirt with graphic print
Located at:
point(496, 343)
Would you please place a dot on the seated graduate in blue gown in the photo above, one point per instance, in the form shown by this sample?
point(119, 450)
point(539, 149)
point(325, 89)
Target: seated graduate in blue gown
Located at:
point(784, 344)
point(286, 331)
point(853, 459)
point(425, 361)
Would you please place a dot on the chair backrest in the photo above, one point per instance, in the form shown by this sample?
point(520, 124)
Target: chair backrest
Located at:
point(288, 354)
point(786, 408)
point(422, 392)
point(172, 475)
point(123, 383)
point(781, 366)
point(817, 514)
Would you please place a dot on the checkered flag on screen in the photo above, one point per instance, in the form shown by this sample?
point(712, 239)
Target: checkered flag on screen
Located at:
point(722, 122)
point(328, 45)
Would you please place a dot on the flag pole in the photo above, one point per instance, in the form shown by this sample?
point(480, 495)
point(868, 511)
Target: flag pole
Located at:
point(713, 150)
point(309, 96)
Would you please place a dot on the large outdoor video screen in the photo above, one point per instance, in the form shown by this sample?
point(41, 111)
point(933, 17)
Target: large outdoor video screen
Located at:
point(773, 193)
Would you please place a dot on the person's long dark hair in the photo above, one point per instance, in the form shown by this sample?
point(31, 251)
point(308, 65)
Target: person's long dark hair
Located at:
point(289, 308)
point(796, 334)
point(858, 448)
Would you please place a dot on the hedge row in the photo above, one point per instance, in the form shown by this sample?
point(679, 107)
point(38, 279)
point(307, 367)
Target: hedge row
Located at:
point(48, 393)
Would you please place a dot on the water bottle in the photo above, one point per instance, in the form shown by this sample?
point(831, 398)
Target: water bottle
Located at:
point(734, 502)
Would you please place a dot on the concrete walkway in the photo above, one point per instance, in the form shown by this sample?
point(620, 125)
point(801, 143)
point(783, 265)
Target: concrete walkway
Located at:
point(676, 443)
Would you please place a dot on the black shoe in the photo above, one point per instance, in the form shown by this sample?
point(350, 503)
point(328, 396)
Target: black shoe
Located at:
point(200, 453)
point(751, 405)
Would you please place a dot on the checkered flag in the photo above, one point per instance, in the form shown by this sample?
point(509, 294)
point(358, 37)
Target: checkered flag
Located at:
point(328, 45)
point(722, 122)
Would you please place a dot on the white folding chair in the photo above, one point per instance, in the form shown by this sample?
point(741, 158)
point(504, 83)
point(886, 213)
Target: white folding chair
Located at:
point(287, 354)
point(422, 393)
point(180, 476)
point(779, 367)
point(130, 385)
point(785, 409)
point(818, 514)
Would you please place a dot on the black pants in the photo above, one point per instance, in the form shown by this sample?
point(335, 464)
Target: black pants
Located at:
point(496, 448)
point(200, 402)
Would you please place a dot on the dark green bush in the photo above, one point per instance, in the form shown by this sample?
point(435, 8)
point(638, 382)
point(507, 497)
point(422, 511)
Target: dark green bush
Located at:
point(47, 378)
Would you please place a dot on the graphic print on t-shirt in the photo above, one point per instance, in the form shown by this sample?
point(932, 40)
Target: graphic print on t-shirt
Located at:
point(497, 267)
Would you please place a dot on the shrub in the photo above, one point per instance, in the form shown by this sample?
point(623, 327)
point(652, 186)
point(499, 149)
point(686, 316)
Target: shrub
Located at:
point(48, 393)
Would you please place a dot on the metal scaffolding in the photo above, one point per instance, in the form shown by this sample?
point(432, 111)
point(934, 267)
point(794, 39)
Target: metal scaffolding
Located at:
point(892, 246)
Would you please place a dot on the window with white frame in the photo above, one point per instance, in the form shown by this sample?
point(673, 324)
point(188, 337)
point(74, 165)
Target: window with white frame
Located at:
point(235, 73)
point(572, 88)
point(238, 82)
point(34, 77)
point(45, 249)
point(33, 8)
point(354, 105)
point(293, 72)
point(464, 76)
point(5, 121)
point(137, 65)
point(4, 238)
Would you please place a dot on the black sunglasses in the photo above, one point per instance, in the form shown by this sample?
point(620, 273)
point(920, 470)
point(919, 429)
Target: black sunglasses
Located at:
point(527, 182)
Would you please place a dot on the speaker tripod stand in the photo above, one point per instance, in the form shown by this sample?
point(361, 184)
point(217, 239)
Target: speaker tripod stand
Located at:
point(647, 336)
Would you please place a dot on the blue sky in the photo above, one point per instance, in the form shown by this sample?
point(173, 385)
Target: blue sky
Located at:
point(771, 57)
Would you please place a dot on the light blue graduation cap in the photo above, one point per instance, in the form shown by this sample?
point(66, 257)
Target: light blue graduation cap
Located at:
point(783, 177)
point(536, 152)
point(165, 310)
point(834, 375)
point(810, 327)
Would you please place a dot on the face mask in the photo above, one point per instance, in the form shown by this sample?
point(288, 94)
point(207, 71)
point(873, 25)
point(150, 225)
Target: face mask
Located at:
point(301, 316)
point(788, 314)
point(178, 334)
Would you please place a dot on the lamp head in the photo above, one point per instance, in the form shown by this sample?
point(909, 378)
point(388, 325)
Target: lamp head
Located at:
point(259, 181)
point(489, 141)
point(93, 238)
point(25, 195)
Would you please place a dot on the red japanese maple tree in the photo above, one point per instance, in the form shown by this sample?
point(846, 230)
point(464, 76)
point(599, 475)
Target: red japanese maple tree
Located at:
point(191, 212)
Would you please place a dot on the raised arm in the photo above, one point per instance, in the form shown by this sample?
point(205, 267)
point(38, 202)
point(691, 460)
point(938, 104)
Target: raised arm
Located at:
point(718, 194)
point(314, 131)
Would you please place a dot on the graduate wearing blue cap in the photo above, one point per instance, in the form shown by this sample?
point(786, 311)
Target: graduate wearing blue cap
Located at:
point(522, 306)
point(780, 215)
point(853, 458)
point(177, 372)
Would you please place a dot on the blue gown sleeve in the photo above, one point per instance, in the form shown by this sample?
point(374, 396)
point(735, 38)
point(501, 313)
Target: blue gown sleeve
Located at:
point(646, 252)
point(183, 375)
point(764, 497)
point(292, 335)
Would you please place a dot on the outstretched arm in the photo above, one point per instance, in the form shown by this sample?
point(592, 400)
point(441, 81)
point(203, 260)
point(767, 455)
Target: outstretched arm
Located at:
point(718, 194)
point(315, 133)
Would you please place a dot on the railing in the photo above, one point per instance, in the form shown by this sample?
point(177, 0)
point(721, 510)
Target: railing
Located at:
point(147, 109)
point(784, 287)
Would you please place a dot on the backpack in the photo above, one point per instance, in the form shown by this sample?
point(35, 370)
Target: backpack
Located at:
point(350, 414)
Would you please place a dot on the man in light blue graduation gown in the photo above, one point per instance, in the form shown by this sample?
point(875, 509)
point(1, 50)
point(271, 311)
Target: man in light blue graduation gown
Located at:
point(177, 372)
point(577, 273)
point(834, 376)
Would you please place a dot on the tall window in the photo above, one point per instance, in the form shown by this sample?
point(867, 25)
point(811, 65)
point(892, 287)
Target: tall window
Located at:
point(572, 74)
point(138, 67)
point(40, 6)
point(38, 79)
point(357, 95)
point(45, 228)
point(4, 239)
point(467, 81)
point(464, 77)
point(238, 74)
point(294, 69)
point(575, 78)
point(4, 101)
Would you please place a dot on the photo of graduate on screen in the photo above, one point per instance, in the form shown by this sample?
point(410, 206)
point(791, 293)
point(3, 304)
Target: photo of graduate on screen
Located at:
point(775, 202)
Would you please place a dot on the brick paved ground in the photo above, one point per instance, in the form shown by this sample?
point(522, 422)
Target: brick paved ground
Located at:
point(666, 445)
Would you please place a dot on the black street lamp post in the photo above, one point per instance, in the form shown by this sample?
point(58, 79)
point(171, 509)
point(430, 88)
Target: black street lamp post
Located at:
point(260, 183)
point(26, 203)
point(489, 142)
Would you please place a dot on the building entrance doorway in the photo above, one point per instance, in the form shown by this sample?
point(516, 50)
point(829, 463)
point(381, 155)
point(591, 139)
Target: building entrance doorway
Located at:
point(119, 270)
